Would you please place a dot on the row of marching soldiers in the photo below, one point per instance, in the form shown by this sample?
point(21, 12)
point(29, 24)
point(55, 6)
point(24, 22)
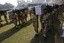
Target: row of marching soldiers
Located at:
point(17, 16)
point(5, 17)
point(47, 15)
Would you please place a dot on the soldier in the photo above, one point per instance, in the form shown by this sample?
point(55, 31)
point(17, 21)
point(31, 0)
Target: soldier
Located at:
point(10, 15)
point(0, 17)
point(21, 15)
point(5, 17)
point(15, 19)
point(35, 18)
point(25, 15)
point(0, 20)
point(18, 16)
point(35, 22)
point(30, 12)
point(47, 19)
point(44, 19)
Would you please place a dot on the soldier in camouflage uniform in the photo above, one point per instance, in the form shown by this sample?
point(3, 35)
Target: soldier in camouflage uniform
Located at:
point(44, 20)
point(5, 17)
point(15, 19)
point(0, 20)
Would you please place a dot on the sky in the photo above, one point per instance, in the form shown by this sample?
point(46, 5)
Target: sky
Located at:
point(14, 2)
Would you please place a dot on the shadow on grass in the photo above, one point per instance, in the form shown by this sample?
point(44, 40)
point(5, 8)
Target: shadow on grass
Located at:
point(57, 26)
point(50, 37)
point(12, 31)
point(61, 17)
point(50, 34)
point(4, 25)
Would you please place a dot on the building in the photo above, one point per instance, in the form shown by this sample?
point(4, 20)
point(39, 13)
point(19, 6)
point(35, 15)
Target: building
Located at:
point(38, 1)
point(56, 1)
point(46, 1)
point(21, 2)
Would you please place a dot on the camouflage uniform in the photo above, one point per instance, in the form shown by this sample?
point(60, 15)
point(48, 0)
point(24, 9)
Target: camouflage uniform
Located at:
point(14, 18)
point(45, 20)
point(0, 20)
point(5, 17)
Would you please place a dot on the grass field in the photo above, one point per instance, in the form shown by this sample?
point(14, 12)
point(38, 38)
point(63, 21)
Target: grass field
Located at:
point(8, 34)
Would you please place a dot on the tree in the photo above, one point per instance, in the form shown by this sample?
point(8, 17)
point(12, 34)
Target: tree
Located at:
point(6, 6)
point(1, 6)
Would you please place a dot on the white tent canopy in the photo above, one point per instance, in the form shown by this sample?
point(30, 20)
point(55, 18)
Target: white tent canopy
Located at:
point(56, 2)
point(48, 1)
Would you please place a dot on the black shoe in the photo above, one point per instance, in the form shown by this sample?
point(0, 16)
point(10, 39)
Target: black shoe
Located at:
point(17, 27)
point(30, 19)
point(1, 25)
point(23, 23)
point(41, 30)
point(36, 35)
point(44, 38)
point(7, 23)
point(19, 24)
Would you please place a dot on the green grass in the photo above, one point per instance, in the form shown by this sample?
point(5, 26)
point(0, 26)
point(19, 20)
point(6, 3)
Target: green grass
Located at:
point(61, 18)
point(8, 34)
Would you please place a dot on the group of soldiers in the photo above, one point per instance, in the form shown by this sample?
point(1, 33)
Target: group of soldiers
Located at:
point(47, 18)
point(5, 17)
point(19, 17)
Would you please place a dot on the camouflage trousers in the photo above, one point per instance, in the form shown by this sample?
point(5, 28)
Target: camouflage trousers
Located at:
point(44, 23)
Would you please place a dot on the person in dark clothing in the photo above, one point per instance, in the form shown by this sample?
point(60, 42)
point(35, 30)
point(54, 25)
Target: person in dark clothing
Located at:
point(0, 20)
point(5, 17)
point(35, 22)
point(14, 19)
point(44, 20)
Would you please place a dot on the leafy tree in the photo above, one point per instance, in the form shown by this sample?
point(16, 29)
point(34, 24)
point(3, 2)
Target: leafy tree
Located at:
point(6, 6)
